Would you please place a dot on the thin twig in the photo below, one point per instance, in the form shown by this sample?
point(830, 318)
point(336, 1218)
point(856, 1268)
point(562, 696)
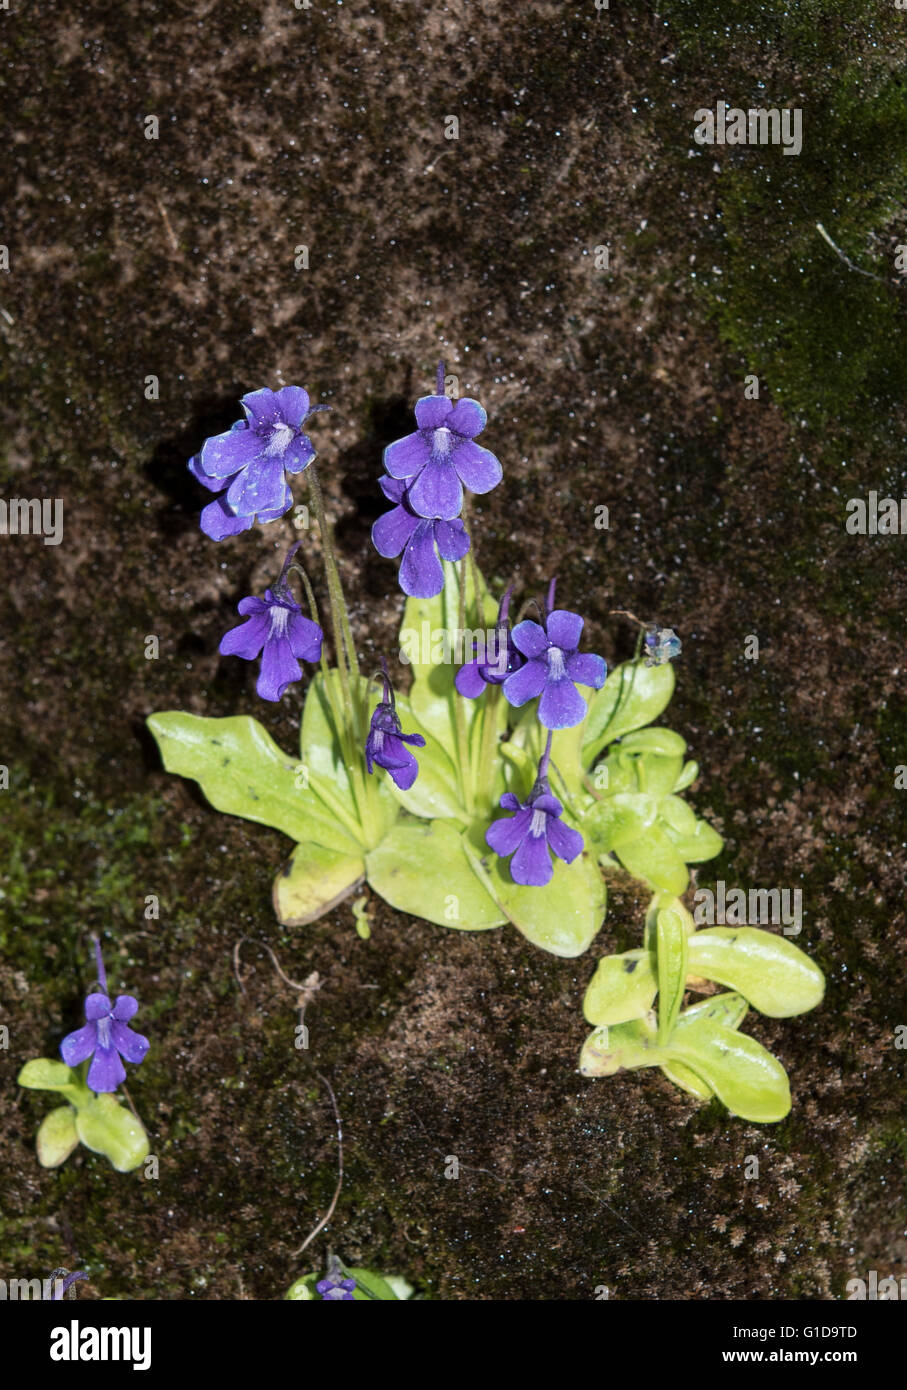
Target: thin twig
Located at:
point(846, 259)
point(336, 1197)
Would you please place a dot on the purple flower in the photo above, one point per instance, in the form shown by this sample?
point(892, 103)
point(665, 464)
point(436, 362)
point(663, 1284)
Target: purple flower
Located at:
point(441, 457)
point(277, 629)
point(421, 575)
point(217, 520)
point(528, 835)
point(553, 666)
point(386, 743)
point(105, 1038)
point(249, 461)
point(335, 1289)
point(472, 678)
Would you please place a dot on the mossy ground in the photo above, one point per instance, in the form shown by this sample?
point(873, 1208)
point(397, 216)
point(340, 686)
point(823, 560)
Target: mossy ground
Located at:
point(175, 258)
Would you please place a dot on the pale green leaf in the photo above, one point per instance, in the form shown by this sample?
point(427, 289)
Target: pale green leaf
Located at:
point(421, 868)
point(654, 859)
point(622, 988)
point(46, 1074)
point(633, 695)
point(57, 1137)
point(671, 968)
point(106, 1127)
point(242, 771)
point(564, 916)
point(313, 881)
point(775, 976)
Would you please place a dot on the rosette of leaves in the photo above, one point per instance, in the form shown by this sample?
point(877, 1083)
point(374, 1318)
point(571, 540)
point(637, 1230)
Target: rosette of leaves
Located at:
point(99, 1121)
point(423, 849)
point(699, 1048)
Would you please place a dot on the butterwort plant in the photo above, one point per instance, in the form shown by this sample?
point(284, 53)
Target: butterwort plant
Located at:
point(503, 774)
point(88, 1079)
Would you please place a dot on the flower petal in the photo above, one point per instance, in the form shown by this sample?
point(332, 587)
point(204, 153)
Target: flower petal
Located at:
point(467, 418)
point(305, 637)
point(405, 776)
point(126, 1007)
point(531, 865)
point(97, 1005)
point(294, 404)
point(565, 842)
point(277, 512)
point(247, 639)
point(106, 1070)
point(212, 484)
point(226, 454)
point(262, 408)
point(587, 669)
point(393, 488)
point(298, 454)
point(469, 681)
point(392, 530)
point(564, 629)
point(433, 411)
point(506, 835)
point(451, 538)
point(279, 668)
point(437, 491)
point(258, 488)
point(218, 521)
point(525, 683)
point(530, 639)
point(561, 705)
point(421, 575)
point(406, 456)
point(76, 1046)
point(130, 1045)
point(479, 470)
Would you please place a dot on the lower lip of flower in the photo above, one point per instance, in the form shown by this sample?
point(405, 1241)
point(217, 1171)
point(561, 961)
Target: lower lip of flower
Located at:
point(556, 664)
point(377, 740)
point(103, 1025)
point(537, 824)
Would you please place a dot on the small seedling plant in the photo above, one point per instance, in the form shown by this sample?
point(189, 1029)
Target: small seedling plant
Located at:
point(512, 776)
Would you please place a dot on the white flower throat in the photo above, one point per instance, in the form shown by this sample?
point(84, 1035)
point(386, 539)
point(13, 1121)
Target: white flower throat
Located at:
point(279, 442)
point(556, 664)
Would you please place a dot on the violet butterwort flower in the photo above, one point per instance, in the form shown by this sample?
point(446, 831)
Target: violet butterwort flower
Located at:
point(251, 459)
point(421, 575)
point(553, 666)
point(535, 829)
point(386, 742)
point(492, 667)
point(336, 1289)
point(217, 519)
point(441, 457)
point(276, 629)
point(105, 1038)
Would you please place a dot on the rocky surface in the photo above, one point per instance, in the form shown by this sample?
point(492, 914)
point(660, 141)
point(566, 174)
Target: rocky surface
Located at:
point(324, 127)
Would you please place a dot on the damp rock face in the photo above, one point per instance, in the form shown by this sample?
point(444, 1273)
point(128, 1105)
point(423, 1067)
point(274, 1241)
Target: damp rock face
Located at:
point(336, 197)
